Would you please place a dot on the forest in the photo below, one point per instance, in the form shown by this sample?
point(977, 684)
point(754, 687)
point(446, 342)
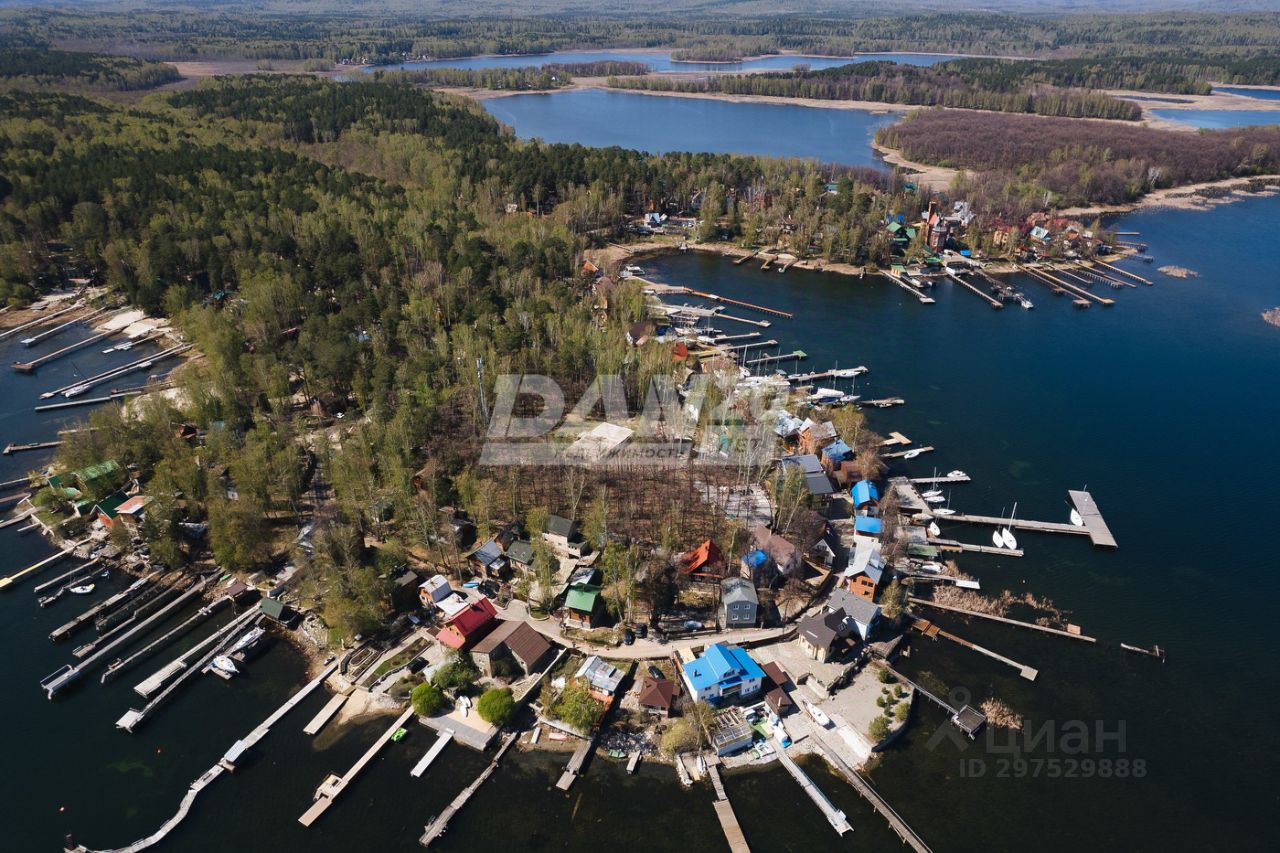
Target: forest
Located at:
point(350, 244)
point(551, 76)
point(1076, 162)
point(948, 85)
point(204, 32)
point(81, 71)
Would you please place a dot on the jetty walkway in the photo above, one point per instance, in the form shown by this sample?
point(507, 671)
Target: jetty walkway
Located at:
point(441, 822)
point(724, 811)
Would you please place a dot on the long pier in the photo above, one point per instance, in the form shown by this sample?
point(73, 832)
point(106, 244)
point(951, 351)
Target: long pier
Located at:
point(728, 301)
point(931, 630)
point(724, 811)
point(438, 824)
point(925, 299)
point(915, 451)
point(1123, 272)
point(54, 685)
point(325, 714)
point(935, 480)
point(7, 582)
point(88, 401)
point(956, 545)
point(63, 631)
point(12, 448)
point(1094, 526)
point(30, 366)
point(979, 615)
point(797, 355)
point(205, 779)
point(165, 638)
point(62, 327)
point(41, 321)
point(140, 364)
point(991, 300)
point(1053, 280)
point(334, 785)
point(156, 680)
point(834, 816)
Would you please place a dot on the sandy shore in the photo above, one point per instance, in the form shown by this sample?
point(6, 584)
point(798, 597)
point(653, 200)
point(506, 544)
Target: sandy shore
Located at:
point(1202, 196)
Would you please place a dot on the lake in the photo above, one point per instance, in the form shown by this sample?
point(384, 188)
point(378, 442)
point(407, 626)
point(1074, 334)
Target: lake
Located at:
point(661, 123)
point(661, 61)
point(1219, 119)
point(1260, 94)
point(1164, 405)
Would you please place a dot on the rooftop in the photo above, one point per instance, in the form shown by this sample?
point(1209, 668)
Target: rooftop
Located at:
point(721, 663)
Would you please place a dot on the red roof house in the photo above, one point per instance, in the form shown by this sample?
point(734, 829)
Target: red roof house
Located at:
point(706, 559)
point(468, 625)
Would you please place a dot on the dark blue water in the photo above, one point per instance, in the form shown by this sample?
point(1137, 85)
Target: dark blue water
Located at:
point(658, 123)
point(1169, 394)
point(662, 61)
point(1261, 94)
point(1219, 119)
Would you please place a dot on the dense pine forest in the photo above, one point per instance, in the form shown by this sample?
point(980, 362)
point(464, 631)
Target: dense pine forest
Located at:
point(894, 83)
point(550, 76)
point(81, 71)
point(200, 32)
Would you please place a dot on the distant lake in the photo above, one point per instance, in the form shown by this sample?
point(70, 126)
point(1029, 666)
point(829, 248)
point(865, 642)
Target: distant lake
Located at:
point(1260, 94)
point(662, 61)
point(1219, 119)
point(661, 123)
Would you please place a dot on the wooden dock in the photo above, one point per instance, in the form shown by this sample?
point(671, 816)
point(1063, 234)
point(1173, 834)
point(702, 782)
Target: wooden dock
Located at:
point(441, 822)
point(164, 639)
point(6, 582)
point(991, 300)
point(724, 811)
point(436, 748)
point(64, 630)
point(30, 366)
point(1061, 284)
point(930, 630)
point(965, 547)
point(325, 714)
point(979, 615)
point(936, 480)
point(1094, 525)
point(633, 762)
point(334, 785)
point(11, 448)
point(1092, 516)
point(797, 355)
point(834, 816)
point(41, 321)
point(915, 451)
point(574, 767)
point(729, 301)
point(925, 299)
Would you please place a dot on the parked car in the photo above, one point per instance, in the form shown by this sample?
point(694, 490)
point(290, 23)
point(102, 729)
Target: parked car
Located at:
point(628, 636)
point(642, 631)
point(655, 672)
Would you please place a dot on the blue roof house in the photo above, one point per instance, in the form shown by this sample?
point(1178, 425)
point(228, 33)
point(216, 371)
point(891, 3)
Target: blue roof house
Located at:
point(864, 493)
point(723, 673)
point(837, 451)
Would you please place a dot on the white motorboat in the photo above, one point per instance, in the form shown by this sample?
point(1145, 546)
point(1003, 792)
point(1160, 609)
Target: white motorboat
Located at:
point(848, 372)
point(997, 539)
point(957, 474)
point(75, 390)
point(225, 664)
point(912, 454)
point(248, 639)
point(84, 589)
point(1025, 302)
point(831, 393)
point(934, 529)
point(818, 716)
point(850, 398)
point(1009, 541)
point(1076, 518)
point(935, 499)
point(932, 493)
point(932, 568)
point(943, 510)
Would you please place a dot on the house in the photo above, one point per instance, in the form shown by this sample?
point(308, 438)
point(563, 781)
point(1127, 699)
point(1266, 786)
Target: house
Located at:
point(865, 571)
point(657, 695)
point(835, 453)
point(814, 435)
point(722, 673)
point(108, 508)
point(276, 610)
point(738, 603)
point(864, 494)
point(514, 640)
point(857, 613)
point(815, 475)
point(488, 558)
point(582, 605)
point(704, 561)
point(783, 557)
point(599, 443)
point(600, 675)
point(434, 590)
point(777, 691)
point(131, 511)
point(471, 622)
point(520, 555)
point(787, 425)
point(562, 535)
point(404, 590)
point(730, 731)
point(818, 632)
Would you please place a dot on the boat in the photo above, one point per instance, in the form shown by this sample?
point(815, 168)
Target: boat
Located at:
point(1009, 541)
point(934, 529)
point(849, 398)
point(1025, 302)
point(84, 589)
point(702, 765)
point(934, 499)
point(399, 734)
point(248, 639)
point(225, 664)
point(75, 390)
point(912, 454)
point(943, 510)
point(1076, 518)
point(105, 573)
point(108, 350)
point(997, 538)
point(932, 568)
point(818, 716)
point(932, 493)
point(831, 393)
point(957, 475)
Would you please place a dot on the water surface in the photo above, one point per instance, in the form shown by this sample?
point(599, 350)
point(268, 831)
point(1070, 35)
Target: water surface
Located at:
point(1260, 94)
point(1219, 119)
point(661, 123)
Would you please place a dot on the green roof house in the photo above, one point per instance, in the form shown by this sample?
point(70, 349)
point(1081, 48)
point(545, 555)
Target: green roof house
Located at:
point(582, 605)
